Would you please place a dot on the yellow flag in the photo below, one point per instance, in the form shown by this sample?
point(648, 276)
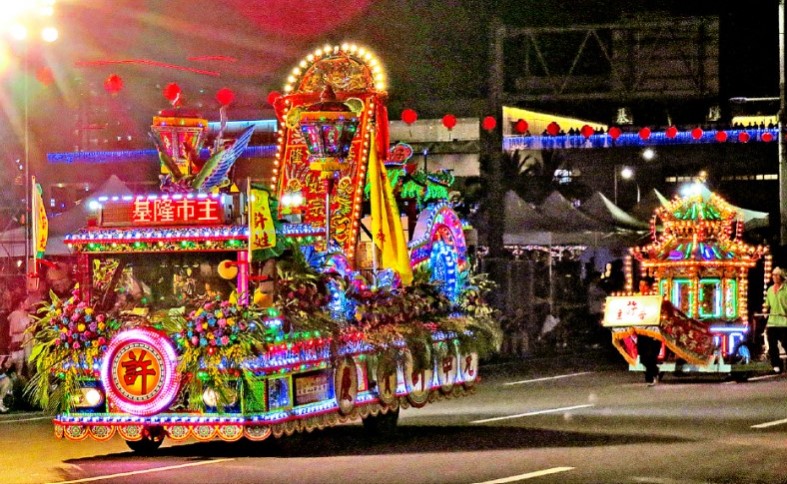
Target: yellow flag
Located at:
point(262, 232)
point(40, 222)
point(386, 224)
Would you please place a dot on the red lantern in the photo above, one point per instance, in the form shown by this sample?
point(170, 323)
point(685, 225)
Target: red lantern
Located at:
point(721, 136)
point(273, 96)
point(172, 92)
point(672, 131)
point(696, 133)
point(409, 116)
point(553, 128)
point(644, 133)
point(743, 137)
point(45, 76)
point(614, 132)
point(489, 123)
point(449, 121)
point(520, 126)
point(225, 96)
point(767, 137)
point(586, 131)
point(113, 84)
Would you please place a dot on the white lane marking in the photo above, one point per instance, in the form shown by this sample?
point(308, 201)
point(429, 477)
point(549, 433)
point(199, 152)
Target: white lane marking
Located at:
point(144, 471)
point(654, 480)
point(770, 424)
point(529, 475)
point(557, 377)
point(5, 421)
point(537, 412)
point(763, 377)
point(753, 378)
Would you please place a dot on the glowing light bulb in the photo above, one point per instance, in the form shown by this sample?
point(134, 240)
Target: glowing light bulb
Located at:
point(49, 34)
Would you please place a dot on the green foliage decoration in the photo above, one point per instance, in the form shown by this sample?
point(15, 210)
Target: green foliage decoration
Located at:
point(68, 338)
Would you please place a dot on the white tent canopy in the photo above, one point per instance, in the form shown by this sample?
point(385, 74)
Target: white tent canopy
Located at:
point(604, 210)
point(12, 242)
point(752, 219)
point(555, 222)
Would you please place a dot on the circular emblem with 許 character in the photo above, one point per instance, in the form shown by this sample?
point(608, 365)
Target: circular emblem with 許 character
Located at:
point(138, 372)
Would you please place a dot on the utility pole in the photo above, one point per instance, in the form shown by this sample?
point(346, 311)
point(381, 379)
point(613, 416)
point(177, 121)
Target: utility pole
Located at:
point(492, 142)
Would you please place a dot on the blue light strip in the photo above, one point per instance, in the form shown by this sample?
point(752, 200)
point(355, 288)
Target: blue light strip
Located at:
point(108, 236)
point(94, 157)
point(565, 141)
point(267, 125)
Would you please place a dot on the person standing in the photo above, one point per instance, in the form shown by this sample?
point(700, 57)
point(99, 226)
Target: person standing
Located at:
point(648, 348)
point(18, 321)
point(776, 327)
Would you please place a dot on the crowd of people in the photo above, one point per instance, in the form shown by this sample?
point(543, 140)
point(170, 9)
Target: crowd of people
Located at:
point(18, 304)
point(566, 304)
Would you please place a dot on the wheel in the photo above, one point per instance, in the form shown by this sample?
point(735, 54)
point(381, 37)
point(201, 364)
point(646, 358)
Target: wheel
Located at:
point(382, 424)
point(740, 376)
point(151, 440)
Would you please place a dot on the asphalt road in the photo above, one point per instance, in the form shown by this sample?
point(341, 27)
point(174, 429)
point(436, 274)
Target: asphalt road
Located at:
point(534, 421)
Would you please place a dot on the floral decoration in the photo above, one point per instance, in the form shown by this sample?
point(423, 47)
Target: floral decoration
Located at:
point(68, 339)
point(213, 341)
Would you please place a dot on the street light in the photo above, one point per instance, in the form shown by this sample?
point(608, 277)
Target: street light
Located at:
point(18, 20)
point(626, 173)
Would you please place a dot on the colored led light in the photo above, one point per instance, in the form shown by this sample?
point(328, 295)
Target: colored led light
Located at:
point(148, 341)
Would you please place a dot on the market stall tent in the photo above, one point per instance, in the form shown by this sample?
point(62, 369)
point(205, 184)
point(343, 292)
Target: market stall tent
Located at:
point(648, 204)
point(12, 241)
point(604, 210)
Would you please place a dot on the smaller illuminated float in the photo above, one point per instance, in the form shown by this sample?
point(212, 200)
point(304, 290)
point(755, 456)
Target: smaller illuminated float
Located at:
point(698, 305)
point(209, 312)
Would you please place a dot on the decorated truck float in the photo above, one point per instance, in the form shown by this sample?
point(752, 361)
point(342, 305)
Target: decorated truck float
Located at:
point(697, 305)
point(206, 311)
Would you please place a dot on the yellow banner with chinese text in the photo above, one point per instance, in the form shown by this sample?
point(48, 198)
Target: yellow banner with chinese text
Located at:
point(387, 230)
point(40, 221)
point(262, 232)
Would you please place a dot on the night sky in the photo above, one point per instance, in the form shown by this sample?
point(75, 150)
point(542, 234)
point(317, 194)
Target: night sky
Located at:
point(432, 50)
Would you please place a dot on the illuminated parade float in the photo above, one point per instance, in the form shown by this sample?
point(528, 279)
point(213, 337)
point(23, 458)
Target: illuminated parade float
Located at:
point(698, 305)
point(207, 311)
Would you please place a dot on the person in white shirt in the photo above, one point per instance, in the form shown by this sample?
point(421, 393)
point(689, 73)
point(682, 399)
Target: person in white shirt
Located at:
point(21, 344)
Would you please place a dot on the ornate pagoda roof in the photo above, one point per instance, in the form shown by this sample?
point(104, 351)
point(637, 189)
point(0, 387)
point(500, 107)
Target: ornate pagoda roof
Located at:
point(698, 230)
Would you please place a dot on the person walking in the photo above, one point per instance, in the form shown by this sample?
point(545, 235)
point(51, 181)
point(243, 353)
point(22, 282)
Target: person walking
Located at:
point(776, 327)
point(648, 348)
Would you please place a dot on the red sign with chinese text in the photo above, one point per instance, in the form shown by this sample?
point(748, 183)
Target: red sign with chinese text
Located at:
point(164, 211)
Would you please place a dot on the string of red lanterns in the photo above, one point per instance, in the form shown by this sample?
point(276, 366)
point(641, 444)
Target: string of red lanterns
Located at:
point(449, 121)
point(521, 126)
point(113, 84)
point(45, 76)
point(273, 96)
point(225, 96)
point(172, 93)
point(409, 116)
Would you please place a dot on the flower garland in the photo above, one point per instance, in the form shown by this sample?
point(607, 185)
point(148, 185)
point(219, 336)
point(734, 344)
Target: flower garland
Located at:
point(389, 315)
point(68, 340)
point(217, 338)
point(213, 341)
